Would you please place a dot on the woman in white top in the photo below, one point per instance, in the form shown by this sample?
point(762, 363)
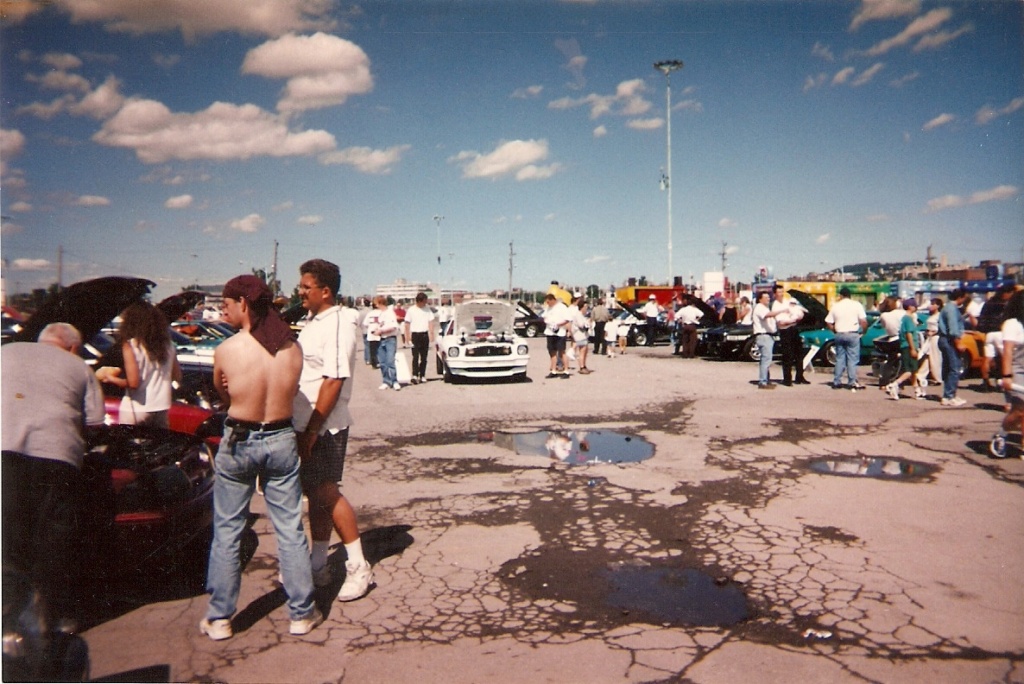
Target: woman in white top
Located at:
point(581, 334)
point(150, 367)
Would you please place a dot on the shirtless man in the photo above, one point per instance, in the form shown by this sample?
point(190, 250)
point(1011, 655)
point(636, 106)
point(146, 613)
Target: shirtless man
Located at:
point(256, 373)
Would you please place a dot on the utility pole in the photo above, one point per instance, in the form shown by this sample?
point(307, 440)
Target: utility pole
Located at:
point(511, 254)
point(273, 266)
point(724, 253)
point(929, 259)
point(667, 67)
point(437, 219)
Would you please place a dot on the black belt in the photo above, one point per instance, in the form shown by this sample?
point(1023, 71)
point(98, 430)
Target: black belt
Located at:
point(253, 426)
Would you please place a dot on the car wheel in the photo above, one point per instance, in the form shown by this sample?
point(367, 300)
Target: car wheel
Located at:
point(828, 354)
point(440, 365)
point(751, 352)
point(532, 331)
point(447, 373)
point(965, 364)
point(640, 338)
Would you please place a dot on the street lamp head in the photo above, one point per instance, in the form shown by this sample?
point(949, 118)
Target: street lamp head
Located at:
point(668, 66)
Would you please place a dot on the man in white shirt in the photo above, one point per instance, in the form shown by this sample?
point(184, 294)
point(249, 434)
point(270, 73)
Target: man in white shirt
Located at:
point(651, 311)
point(687, 319)
point(419, 331)
point(556, 328)
point(787, 314)
point(848, 320)
point(764, 337)
point(322, 421)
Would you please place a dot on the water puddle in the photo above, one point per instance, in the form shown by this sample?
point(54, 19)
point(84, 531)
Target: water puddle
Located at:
point(877, 467)
point(676, 595)
point(573, 447)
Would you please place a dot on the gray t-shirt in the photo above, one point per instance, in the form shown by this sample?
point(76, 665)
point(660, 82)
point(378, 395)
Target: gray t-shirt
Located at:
point(48, 395)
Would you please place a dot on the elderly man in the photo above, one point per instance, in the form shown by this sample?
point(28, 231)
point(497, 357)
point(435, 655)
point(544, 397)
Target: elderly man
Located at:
point(49, 396)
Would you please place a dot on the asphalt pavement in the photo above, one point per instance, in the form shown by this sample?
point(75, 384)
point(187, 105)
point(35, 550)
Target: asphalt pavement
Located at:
point(802, 534)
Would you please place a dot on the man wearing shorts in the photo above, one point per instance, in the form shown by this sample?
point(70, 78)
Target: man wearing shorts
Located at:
point(322, 420)
point(557, 321)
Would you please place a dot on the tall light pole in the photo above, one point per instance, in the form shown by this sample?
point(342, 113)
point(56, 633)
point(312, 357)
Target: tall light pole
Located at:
point(667, 67)
point(437, 219)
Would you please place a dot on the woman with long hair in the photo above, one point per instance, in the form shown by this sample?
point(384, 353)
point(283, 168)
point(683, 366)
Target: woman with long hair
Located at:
point(1012, 376)
point(150, 366)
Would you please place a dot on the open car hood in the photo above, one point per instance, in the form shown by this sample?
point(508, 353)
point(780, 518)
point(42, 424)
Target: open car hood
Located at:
point(177, 305)
point(815, 309)
point(710, 318)
point(526, 311)
point(88, 305)
point(469, 314)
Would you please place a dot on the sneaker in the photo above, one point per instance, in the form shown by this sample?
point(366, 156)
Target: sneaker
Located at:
point(322, 576)
point(306, 624)
point(398, 386)
point(422, 380)
point(358, 578)
point(765, 386)
point(383, 386)
point(857, 386)
point(551, 376)
point(997, 447)
point(954, 402)
point(414, 381)
point(218, 630)
point(893, 391)
point(919, 393)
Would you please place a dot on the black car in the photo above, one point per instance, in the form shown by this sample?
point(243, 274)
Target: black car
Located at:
point(527, 323)
point(637, 322)
point(738, 341)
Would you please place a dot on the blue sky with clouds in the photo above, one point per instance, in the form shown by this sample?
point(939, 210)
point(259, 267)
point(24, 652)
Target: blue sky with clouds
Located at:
point(178, 140)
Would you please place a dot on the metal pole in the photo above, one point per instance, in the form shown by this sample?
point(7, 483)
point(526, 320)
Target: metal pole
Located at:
point(437, 219)
point(667, 67)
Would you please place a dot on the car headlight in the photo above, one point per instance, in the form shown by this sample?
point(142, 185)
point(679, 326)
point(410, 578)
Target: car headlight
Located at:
point(453, 352)
point(523, 350)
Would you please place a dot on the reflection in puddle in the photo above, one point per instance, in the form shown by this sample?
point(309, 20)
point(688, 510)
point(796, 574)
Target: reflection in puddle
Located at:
point(877, 467)
point(574, 447)
point(677, 596)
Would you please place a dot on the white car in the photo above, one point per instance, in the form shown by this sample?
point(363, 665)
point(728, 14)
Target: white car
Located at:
point(479, 342)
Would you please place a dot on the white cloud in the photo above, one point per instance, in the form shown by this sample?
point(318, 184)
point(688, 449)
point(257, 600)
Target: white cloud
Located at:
point(822, 239)
point(731, 249)
point(62, 61)
point(868, 74)
point(629, 100)
point(816, 81)
point(646, 124)
point(222, 131)
point(597, 259)
point(726, 222)
point(823, 51)
point(518, 158)
point(999, 193)
point(920, 26)
point(938, 39)
point(843, 75)
point(528, 92)
point(178, 202)
point(988, 113)
point(31, 265)
point(600, 131)
point(12, 143)
point(61, 81)
point(321, 70)
point(874, 10)
point(102, 102)
point(367, 160)
point(91, 201)
point(249, 224)
point(310, 220)
point(287, 204)
point(940, 120)
point(905, 79)
point(576, 61)
point(878, 218)
point(21, 207)
point(202, 17)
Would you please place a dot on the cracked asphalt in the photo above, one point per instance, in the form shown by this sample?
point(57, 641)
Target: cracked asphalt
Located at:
point(803, 534)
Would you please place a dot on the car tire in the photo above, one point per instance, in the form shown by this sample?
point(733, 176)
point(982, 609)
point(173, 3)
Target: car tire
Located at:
point(447, 374)
point(532, 331)
point(827, 355)
point(751, 352)
point(640, 339)
point(965, 364)
point(440, 365)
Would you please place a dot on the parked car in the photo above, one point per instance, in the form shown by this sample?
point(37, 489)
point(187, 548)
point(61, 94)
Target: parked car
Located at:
point(824, 339)
point(738, 341)
point(637, 323)
point(479, 341)
point(148, 491)
point(528, 323)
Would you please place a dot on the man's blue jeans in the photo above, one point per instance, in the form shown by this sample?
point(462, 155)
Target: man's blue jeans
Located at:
point(766, 345)
point(274, 457)
point(847, 357)
point(950, 366)
point(386, 360)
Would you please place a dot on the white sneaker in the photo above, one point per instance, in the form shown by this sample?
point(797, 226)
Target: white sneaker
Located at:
point(358, 578)
point(218, 630)
point(955, 402)
point(893, 391)
point(919, 393)
point(322, 576)
point(383, 386)
point(398, 386)
point(306, 624)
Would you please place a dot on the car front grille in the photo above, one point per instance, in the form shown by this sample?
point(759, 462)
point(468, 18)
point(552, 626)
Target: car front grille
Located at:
point(490, 350)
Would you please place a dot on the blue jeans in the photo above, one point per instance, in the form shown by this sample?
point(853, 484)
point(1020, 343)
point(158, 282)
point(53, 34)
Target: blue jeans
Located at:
point(274, 457)
point(386, 360)
point(847, 357)
point(366, 350)
point(950, 366)
point(766, 345)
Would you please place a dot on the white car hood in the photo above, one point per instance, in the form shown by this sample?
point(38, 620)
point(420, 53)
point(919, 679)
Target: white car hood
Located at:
point(500, 313)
